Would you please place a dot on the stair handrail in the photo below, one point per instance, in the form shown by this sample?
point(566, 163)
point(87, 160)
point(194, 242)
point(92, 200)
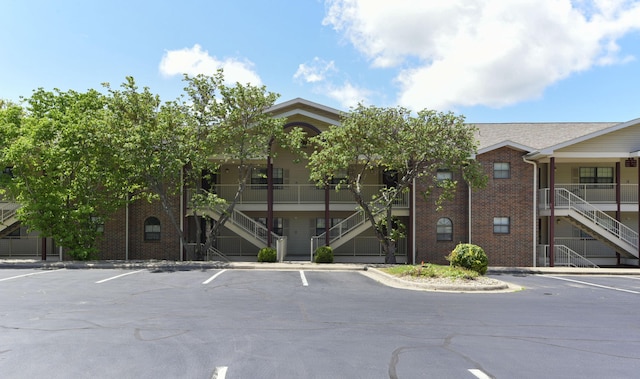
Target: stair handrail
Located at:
point(8, 210)
point(213, 251)
point(564, 254)
point(566, 199)
point(257, 229)
point(345, 226)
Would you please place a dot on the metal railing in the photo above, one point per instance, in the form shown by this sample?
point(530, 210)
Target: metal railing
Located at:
point(562, 256)
point(7, 210)
point(296, 194)
point(565, 199)
point(603, 193)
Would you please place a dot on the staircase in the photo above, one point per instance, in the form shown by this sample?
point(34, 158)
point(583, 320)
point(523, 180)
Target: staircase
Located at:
point(346, 229)
point(8, 217)
point(244, 226)
point(564, 256)
point(591, 220)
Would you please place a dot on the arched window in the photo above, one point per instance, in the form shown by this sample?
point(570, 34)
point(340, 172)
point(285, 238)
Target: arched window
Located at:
point(152, 229)
point(444, 229)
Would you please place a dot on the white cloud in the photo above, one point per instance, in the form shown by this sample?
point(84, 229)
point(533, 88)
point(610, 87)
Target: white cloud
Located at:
point(194, 61)
point(314, 71)
point(483, 52)
point(347, 94)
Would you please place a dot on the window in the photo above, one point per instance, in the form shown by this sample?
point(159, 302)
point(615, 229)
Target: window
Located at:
point(444, 230)
point(501, 170)
point(152, 229)
point(501, 225)
point(596, 174)
point(277, 225)
point(259, 177)
point(320, 224)
point(443, 174)
point(98, 223)
point(338, 177)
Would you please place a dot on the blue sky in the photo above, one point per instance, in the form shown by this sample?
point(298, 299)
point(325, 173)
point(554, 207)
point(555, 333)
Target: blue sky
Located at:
point(493, 61)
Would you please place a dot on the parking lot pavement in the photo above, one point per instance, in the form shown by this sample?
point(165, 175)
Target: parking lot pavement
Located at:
point(293, 323)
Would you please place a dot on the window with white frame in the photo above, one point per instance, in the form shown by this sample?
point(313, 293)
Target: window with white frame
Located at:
point(501, 170)
point(501, 225)
point(444, 229)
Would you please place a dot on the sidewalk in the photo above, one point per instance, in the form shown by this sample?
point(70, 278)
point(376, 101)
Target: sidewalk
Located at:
point(289, 265)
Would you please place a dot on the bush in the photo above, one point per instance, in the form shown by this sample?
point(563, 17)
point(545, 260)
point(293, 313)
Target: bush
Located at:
point(324, 254)
point(267, 254)
point(469, 256)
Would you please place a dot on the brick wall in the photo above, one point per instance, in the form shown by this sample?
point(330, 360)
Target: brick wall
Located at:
point(511, 198)
point(113, 245)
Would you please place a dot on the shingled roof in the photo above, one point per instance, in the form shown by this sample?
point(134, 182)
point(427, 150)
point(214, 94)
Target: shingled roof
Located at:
point(534, 136)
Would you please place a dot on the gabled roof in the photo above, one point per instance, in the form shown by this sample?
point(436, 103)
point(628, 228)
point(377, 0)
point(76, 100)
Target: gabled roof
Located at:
point(299, 106)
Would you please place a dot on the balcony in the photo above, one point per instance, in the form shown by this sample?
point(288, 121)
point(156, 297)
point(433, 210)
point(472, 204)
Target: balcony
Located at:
point(597, 193)
point(298, 194)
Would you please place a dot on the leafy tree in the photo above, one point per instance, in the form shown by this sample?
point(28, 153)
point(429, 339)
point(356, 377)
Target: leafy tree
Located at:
point(63, 174)
point(234, 125)
point(154, 144)
point(407, 147)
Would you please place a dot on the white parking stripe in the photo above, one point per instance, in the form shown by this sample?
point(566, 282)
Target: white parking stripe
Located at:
point(118, 276)
point(304, 279)
point(213, 277)
point(479, 374)
point(591, 284)
point(23, 275)
point(220, 372)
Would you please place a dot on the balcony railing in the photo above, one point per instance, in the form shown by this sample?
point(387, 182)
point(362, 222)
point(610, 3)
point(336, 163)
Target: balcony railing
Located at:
point(603, 193)
point(298, 194)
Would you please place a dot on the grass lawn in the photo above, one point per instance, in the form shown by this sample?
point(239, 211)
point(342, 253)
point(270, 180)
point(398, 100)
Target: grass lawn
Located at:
point(431, 271)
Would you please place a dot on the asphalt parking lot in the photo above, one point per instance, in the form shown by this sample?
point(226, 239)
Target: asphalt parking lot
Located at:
point(232, 323)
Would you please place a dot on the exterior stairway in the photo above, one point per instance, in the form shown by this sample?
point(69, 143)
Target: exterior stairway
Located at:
point(8, 217)
point(596, 223)
point(253, 231)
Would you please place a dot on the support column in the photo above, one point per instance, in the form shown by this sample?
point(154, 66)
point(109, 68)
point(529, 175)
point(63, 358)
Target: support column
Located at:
point(552, 206)
point(618, 201)
point(269, 200)
point(327, 216)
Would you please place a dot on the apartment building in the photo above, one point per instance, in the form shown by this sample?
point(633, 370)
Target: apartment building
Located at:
point(558, 194)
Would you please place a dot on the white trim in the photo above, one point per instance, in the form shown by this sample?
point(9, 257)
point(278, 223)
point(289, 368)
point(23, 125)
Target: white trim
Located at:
point(298, 100)
point(505, 143)
point(312, 115)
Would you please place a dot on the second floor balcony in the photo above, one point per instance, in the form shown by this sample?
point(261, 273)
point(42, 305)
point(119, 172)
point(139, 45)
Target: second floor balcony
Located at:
point(299, 196)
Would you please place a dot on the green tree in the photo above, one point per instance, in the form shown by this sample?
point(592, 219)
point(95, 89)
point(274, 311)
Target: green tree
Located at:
point(410, 148)
point(154, 145)
point(234, 125)
point(63, 175)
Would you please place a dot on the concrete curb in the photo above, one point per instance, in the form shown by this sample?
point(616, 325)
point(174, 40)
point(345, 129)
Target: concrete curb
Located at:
point(396, 282)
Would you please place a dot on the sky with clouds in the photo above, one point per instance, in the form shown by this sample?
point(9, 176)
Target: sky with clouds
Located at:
point(491, 60)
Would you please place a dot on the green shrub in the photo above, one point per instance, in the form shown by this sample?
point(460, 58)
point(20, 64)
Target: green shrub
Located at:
point(324, 254)
point(469, 256)
point(267, 254)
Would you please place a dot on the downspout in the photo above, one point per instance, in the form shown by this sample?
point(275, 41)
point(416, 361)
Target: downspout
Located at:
point(552, 206)
point(182, 215)
point(413, 222)
point(535, 207)
point(618, 201)
point(126, 231)
point(469, 205)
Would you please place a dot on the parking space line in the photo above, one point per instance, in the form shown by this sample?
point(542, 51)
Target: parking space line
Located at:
point(220, 372)
point(304, 279)
point(118, 276)
point(591, 284)
point(30, 274)
point(213, 277)
point(479, 374)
